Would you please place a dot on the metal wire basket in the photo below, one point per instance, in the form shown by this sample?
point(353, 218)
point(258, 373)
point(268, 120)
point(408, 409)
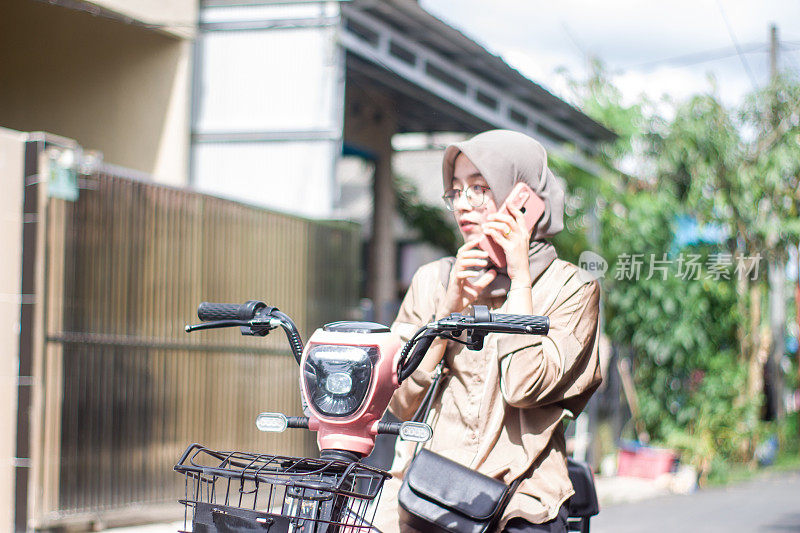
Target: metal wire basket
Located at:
point(238, 491)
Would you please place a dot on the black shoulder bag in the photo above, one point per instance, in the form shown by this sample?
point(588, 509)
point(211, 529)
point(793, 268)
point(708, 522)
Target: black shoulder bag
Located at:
point(443, 496)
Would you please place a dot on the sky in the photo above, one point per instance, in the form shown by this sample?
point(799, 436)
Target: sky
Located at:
point(651, 48)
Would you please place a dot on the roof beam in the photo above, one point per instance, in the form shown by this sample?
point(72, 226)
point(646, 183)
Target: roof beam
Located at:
point(389, 49)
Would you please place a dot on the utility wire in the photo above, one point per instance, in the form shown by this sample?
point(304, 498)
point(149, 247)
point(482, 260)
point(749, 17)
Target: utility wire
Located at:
point(701, 57)
point(790, 58)
point(736, 44)
point(575, 42)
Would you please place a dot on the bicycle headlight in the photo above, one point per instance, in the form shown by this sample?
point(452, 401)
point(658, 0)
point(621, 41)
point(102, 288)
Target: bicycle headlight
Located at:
point(338, 377)
point(339, 383)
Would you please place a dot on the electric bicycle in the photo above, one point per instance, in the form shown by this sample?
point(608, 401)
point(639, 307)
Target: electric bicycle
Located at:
point(348, 373)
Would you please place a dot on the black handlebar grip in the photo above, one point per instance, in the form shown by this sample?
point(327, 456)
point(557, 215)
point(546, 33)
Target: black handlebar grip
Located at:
point(208, 311)
point(297, 422)
point(536, 325)
point(390, 428)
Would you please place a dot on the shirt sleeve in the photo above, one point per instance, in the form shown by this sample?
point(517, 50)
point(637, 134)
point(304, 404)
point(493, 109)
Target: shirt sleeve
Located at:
point(564, 364)
point(418, 308)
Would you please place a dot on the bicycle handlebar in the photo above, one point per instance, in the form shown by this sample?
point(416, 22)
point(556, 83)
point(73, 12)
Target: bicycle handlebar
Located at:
point(253, 317)
point(476, 327)
point(256, 318)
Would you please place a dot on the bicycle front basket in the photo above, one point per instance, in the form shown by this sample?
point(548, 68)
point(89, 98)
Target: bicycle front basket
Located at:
point(239, 491)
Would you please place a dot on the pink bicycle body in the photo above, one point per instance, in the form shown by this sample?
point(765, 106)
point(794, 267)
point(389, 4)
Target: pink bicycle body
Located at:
point(354, 432)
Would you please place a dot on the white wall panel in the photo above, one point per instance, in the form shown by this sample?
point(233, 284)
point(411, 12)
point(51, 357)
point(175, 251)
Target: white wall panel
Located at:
point(287, 176)
point(266, 80)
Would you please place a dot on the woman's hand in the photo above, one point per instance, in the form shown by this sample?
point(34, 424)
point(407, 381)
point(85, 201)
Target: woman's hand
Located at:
point(511, 233)
point(468, 278)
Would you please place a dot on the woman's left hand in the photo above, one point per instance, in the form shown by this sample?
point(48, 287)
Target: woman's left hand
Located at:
point(511, 233)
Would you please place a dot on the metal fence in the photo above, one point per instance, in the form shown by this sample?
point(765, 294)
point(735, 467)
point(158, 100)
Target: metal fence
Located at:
point(125, 388)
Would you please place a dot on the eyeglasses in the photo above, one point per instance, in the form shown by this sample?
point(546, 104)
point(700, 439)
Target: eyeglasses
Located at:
point(476, 196)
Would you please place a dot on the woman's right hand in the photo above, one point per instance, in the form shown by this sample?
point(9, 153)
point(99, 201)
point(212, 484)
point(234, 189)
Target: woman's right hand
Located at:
point(468, 278)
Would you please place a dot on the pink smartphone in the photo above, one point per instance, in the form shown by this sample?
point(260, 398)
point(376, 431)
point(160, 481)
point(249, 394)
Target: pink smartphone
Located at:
point(523, 198)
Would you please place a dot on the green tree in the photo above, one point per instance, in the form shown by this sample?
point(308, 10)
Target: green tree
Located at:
point(736, 169)
point(740, 168)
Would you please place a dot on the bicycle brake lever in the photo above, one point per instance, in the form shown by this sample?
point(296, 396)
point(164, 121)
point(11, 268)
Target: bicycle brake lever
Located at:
point(450, 324)
point(215, 324)
point(260, 326)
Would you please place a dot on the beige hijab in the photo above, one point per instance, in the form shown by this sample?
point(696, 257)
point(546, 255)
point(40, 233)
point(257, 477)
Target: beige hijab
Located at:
point(504, 158)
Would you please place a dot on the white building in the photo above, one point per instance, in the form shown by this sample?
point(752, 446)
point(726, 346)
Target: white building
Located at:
point(285, 90)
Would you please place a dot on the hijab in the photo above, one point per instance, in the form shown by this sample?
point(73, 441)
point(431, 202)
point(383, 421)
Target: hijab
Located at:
point(505, 158)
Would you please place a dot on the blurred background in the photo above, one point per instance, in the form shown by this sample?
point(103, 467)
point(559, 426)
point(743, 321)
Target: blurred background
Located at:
point(156, 154)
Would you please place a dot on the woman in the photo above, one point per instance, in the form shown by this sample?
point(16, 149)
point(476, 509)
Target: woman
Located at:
point(500, 409)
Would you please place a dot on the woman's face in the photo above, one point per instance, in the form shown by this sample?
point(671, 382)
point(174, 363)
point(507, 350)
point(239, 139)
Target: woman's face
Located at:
point(470, 219)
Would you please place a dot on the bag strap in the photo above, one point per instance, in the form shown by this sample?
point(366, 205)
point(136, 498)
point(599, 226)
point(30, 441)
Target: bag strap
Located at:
point(427, 401)
point(424, 408)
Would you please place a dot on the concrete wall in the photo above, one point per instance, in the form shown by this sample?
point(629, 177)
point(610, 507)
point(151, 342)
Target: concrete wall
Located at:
point(11, 183)
point(119, 88)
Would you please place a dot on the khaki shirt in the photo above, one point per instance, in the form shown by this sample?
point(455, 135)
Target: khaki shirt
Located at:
point(500, 409)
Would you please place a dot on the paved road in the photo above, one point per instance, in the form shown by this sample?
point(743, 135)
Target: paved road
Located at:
point(765, 505)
